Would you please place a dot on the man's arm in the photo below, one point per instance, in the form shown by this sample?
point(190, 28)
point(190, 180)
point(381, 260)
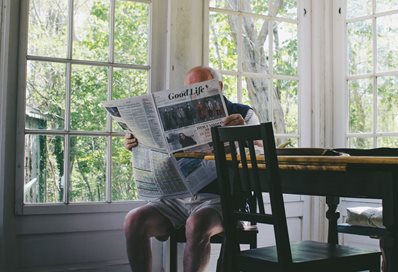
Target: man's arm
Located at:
point(234, 120)
point(238, 120)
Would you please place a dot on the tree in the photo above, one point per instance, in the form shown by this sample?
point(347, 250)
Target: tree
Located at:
point(255, 59)
point(46, 95)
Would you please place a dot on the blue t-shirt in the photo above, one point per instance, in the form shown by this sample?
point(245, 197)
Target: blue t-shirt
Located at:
point(232, 108)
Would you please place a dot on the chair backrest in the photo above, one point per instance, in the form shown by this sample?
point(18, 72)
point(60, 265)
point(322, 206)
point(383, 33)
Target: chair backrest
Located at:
point(240, 169)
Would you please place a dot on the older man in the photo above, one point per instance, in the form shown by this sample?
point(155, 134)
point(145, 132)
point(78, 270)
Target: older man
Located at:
point(201, 214)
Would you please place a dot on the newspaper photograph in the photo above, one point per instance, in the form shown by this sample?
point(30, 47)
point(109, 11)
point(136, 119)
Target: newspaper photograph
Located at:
point(188, 114)
point(166, 123)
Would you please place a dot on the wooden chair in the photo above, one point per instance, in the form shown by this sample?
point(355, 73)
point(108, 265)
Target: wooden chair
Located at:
point(240, 174)
point(246, 235)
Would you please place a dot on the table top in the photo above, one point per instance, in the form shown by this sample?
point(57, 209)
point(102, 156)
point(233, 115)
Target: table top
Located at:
point(314, 162)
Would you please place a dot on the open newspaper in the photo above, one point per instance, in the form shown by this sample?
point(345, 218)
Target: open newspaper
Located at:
point(166, 123)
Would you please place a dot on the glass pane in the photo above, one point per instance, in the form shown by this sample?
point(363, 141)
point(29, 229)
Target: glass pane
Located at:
point(88, 169)
point(359, 47)
point(128, 83)
point(357, 142)
point(225, 4)
point(285, 106)
point(91, 30)
point(47, 35)
point(358, 8)
point(222, 44)
point(387, 43)
point(230, 88)
point(283, 142)
point(89, 86)
point(255, 45)
point(360, 105)
point(45, 95)
point(387, 104)
point(387, 142)
point(286, 49)
point(131, 32)
point(44, 169)
point(258, 93)
point(123, 185)
point(285, 8)
point(255, 6)
point(386, 5)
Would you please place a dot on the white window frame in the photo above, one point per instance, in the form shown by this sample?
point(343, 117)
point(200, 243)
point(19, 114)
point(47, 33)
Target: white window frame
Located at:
point(341, 132)
point(157, 15)
point(304, 66)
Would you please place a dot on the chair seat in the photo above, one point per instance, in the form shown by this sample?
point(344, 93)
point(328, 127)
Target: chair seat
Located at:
point(306, 255)
point(362, 230)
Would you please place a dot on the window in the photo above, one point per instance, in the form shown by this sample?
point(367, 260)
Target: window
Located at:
point(254, 45)
point(77, 54)
point(371, 72)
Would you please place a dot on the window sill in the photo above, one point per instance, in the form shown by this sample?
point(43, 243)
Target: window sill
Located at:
point(78, 208)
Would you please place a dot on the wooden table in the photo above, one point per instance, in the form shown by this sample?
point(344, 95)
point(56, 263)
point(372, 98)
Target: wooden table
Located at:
point(345, 176)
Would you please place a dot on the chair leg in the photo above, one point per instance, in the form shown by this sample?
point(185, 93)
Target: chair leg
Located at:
point(253, 242)
point(220, 259)
point(173, 254)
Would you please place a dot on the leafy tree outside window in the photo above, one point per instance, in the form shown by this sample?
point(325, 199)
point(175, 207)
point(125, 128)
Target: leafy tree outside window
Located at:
point(372, 73)
point(254, 44)
point(80, 53)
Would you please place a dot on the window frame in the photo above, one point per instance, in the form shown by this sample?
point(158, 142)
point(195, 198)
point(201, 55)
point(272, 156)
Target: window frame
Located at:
point(157, 14)
point(341, 134)
point(304, 9)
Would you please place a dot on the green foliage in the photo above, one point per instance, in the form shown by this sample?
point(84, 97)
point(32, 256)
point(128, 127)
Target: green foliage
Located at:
point(46, 94)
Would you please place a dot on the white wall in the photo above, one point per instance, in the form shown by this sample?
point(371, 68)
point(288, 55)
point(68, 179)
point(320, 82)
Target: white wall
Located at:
point(8, 81)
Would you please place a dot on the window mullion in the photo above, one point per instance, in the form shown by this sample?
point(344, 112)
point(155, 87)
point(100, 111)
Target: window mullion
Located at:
point(66, 181)
point(270, 67)
point(239, 41)
point(108, 185)
point(374, 78)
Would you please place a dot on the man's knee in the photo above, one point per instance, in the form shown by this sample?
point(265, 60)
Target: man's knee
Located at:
point(138, 222)
point(202, 225)
point(132, 222)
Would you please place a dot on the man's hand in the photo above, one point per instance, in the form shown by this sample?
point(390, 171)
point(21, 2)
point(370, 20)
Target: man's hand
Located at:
point(130, 141)
point(234, 120)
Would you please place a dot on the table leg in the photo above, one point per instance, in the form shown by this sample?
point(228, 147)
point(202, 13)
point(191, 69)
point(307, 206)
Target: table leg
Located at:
point(332, 215)
point(392, 225)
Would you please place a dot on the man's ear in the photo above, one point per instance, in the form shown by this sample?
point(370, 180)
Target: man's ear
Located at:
point(221, 85)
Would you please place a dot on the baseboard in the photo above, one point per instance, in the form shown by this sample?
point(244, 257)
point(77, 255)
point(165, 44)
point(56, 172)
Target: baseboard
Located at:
point(113, 266)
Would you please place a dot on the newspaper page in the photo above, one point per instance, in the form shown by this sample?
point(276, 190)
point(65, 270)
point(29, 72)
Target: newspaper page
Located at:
point(155, 174)
point(138, 115)
point(166, 123)
point(187, 115)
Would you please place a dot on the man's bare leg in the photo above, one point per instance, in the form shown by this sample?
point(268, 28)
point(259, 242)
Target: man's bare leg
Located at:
point(139, 226)
point(200, 227)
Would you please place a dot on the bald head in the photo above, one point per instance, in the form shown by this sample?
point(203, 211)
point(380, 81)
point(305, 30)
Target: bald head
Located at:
point(197, 74)
point(201, 73)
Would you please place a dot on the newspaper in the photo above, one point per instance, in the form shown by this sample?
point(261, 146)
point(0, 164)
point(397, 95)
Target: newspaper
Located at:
point(166, 123)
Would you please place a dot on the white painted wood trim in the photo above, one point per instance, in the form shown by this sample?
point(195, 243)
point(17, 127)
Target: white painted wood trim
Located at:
point(305, 60)
point(340, 103)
